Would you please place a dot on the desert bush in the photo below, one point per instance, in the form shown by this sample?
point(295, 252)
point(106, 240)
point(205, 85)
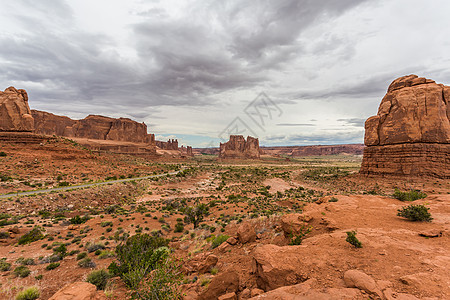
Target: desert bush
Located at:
point(412, 195)
point(29, 293)
point(4, 266)
point(179, 227)
point(99, 278)
point(196, 214)
point(2, 154)
point(21, 271)
point(137, 257)
point(94, 247)
point(79, 220)
point(296, 239)
point(218, 240)
point(86, 263)
point(52, 266)
point(81, 255)
point(352, 239)
point(415, 213)
point(25, 261)
point(4, 235)
point(34, 235)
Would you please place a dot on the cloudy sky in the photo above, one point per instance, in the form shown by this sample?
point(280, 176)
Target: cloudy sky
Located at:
point(291, 72)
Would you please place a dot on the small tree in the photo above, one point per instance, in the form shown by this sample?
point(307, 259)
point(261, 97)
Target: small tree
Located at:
point(195, 215)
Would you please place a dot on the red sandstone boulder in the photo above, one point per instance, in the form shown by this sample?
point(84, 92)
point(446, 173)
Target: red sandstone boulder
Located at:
point(276, 266)
point(15, 114)
point(238, 147)
point(225, 283)
point(79, 291)
point(246, 233)
point(410, 135)
point(201, 263)
point(414, 110)
point(362, 281)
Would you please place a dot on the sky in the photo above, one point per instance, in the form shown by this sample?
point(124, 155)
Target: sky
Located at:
point(290, 72)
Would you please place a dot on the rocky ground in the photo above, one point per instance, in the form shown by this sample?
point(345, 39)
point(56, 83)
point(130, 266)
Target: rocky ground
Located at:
point(276, 229)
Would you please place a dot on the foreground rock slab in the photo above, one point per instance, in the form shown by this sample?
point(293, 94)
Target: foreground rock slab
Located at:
point(79, 291)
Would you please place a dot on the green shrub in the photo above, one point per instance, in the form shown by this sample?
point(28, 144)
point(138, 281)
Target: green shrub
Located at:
point(61, 250)
point(178, 227)
point(412, 195)
point(79, 220)
point(86, 263)
point(4, 235)
point(196, 214)
point(99, 278)
point(25, 261)
point(4, 266)
point(94, 247)
point(218, 240)
point(34, 235)
point(137, 257)
point(2, 154)
point(21, 271)
point(52, 266)
point(415, 213)
point(352, 239)
point(29, 293)
point(296, 239)
point(81, 255)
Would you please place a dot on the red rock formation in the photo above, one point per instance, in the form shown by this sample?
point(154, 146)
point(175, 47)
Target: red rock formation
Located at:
point(238, 147)
point(15, 113)
point(186, 151)
point(410, 135)
point(317, 150)
point(169, 145)
point(92, 127)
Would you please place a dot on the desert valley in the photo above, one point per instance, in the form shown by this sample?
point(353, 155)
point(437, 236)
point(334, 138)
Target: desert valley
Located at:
point(98, 209)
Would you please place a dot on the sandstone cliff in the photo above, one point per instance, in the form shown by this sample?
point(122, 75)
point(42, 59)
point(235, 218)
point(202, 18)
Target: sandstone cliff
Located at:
point(238, 147)
point(92, 127)
point(169, 145)
point(410, 135)
point(15, 113)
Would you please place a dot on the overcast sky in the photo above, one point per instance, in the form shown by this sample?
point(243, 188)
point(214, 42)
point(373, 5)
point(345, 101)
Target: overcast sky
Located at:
point(291, 72)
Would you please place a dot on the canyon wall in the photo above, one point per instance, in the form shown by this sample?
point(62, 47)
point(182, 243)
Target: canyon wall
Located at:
point(92, 127)
point(169, 145)
point(238, 147)
point(410, 135)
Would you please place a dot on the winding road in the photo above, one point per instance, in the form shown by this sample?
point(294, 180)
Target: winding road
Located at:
point(72, 187)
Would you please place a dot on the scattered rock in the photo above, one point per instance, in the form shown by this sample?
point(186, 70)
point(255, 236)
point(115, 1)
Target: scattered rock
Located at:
point(232, 241)
point(292, 224)
point(256, 292)
point(79, 291)
point(229, 296)
point(277, 266)
point(224, 283)
point(246, 233)
point(201, 263)
point(362, 281)
point(431, 233)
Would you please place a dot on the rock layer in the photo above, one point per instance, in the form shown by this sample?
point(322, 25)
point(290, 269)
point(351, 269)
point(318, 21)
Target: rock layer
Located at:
point(92, 127)
point(15, 113)
point(410, 135)
point(238, 147)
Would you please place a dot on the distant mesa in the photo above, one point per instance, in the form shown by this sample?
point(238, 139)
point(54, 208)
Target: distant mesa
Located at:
point(120, 135)
point(238, 147)
point(92, 127)
point(15, 114)
point(169, 145)
point(410, 135)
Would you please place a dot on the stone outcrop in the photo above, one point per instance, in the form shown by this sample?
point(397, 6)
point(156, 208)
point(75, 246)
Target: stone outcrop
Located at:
point(410, 135)
point(92, 127)
point(238, 147)
point(79, 291)
point(15, 114)
point(169, 145)
point(186, 151)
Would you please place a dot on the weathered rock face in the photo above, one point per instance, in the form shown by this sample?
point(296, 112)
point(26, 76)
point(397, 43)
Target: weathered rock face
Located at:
point(79, 291)
point(186, 151)
point(238, 147)
point(92, 127)
point(15, 113)
point(169, 145)
point(410, 135)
